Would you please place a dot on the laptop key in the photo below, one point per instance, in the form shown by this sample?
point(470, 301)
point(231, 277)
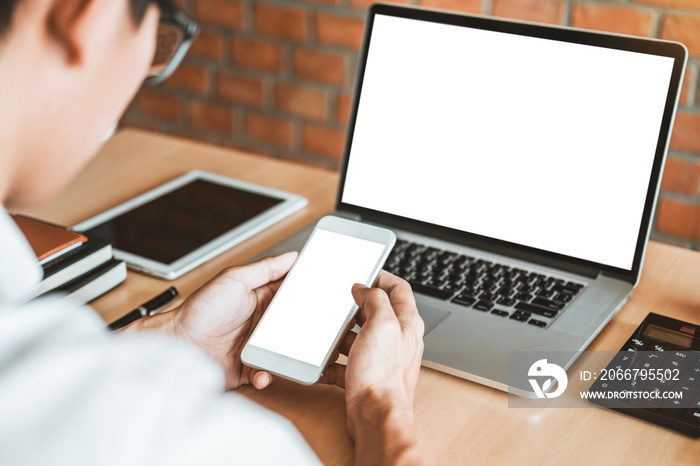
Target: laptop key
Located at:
point(520, 316)
point(508, 302)
point(535, 309)
point(484, 306)
point(464, 300)
point(537, 323)
point(548, 303)
point(433, 291)
point(499, 312)
point(563, 289)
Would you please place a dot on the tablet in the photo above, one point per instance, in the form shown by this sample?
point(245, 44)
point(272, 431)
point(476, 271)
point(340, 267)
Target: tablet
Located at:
point(177, 226)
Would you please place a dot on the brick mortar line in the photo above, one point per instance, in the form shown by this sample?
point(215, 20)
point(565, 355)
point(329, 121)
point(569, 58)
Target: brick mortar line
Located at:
point(657, 19)
point(639, 6)
point(567, 14)
point(291, 78)
point(295, 80)
point(693, 67)
point(684, 155)
point(487, 7)
point(692, 199)
point(315, 7)
point(230, 65)
point(311, 30)
point(694, 109)
point(279, 41)
point(296, 139)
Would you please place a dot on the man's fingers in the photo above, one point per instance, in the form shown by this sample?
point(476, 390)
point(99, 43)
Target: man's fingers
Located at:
point(264, 271)
point(398, 289)
point(334, 374)
point(347, 342)
point(373, 302)
point(402, 300)
point(265, 293)
point(260, 379)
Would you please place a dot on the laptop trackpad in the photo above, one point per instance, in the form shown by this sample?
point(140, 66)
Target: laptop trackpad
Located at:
point(431, 316)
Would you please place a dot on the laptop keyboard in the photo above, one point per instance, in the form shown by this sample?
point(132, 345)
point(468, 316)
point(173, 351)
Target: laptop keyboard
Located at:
point(485, 286)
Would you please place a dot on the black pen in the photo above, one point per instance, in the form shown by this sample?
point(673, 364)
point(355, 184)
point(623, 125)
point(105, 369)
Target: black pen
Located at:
point(146, 309)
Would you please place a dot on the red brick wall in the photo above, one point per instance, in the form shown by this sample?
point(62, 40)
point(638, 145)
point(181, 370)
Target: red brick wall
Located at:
point(275, 77)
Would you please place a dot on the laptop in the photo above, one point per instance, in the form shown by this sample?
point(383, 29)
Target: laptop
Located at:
point(519, 165)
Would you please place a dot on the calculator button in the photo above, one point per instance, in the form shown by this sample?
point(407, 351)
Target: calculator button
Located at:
point(659, 346)
point(650, 402)
point(660, 387)
point(689, 392)
point(673, 407)
point(639, 343)
point(604, 386)
point(682, 355)
point(622, 360)
point(676, 360)
point(652, 359)
point(691, 376)
point(636, 385)
point(694, 358)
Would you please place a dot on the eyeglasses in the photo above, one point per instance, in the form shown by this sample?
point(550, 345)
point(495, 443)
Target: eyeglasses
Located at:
point(175, 35)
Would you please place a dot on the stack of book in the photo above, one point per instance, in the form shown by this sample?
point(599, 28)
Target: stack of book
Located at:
point(78, 268)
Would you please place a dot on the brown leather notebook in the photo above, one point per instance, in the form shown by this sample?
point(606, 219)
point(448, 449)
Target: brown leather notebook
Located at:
point(48, 241)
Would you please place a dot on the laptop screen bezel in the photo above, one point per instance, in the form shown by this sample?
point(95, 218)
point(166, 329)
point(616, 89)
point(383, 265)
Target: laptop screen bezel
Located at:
point(559, 33)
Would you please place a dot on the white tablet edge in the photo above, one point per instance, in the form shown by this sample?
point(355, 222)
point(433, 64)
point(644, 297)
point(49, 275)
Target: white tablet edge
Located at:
point(290, 204)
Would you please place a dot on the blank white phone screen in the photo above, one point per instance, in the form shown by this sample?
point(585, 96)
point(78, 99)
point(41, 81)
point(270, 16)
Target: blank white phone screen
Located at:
point(311, 306)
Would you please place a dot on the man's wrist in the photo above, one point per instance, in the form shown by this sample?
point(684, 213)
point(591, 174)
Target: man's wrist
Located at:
point(382, 424)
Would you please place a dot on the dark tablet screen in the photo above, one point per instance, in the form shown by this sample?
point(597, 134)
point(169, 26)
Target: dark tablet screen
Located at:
point(175, 224)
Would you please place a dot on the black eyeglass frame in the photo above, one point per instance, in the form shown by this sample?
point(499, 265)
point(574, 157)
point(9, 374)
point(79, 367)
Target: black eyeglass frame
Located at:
point(171, 14)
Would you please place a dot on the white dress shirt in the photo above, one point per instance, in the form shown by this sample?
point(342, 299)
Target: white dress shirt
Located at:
point(73, 394)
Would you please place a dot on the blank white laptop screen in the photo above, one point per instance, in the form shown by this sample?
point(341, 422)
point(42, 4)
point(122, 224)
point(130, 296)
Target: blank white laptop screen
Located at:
point(537, 142)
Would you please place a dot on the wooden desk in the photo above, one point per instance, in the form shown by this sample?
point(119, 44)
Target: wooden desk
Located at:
point(459, 422)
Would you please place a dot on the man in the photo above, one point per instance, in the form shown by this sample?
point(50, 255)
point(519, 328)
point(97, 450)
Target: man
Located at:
point(70, 392)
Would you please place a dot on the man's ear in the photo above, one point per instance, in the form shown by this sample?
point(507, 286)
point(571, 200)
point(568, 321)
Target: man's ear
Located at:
point(63, 24)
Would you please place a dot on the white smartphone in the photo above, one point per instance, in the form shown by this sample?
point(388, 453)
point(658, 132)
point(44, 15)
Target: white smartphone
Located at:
point(314, 305)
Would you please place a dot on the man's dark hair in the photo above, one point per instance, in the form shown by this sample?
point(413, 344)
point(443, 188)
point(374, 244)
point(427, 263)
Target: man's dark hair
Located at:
point(8, 7)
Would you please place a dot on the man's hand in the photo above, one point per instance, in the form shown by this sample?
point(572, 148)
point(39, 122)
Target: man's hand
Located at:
point(382, 371)
point(220, 316)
